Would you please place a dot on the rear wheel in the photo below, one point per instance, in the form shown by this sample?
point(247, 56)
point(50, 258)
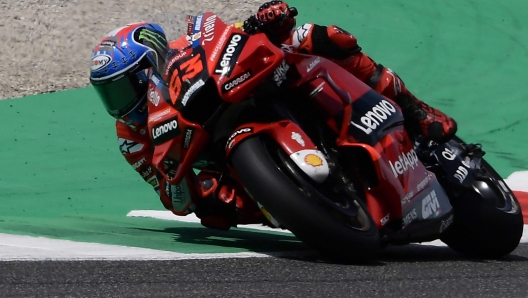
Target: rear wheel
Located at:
point(335, 224)
point(488, 221)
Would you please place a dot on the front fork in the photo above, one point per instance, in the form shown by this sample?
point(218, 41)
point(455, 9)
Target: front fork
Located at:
point(292, 139)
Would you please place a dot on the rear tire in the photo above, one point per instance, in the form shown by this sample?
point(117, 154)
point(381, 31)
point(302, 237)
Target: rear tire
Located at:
point(297, 205)
point(488, 227)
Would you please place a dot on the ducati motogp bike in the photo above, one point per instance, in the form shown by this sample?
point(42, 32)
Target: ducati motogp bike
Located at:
point(320, 152)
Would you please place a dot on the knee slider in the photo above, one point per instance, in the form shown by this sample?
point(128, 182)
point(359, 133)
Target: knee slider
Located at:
point(386, 82)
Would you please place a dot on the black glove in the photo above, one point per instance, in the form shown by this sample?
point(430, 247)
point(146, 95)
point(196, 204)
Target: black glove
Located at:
point(216, 207)
point(251, 25)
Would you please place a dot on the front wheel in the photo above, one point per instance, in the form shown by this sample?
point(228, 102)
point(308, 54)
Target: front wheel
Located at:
point(339, 228)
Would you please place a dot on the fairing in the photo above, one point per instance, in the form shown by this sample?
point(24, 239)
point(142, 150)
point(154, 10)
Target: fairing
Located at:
point(371, 126)
point(225, 66)
point(293, 141)
point(222, 58)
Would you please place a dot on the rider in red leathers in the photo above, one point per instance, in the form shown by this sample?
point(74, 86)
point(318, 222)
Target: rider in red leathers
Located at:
point(123, 63)
point(217, 206)
point(121, 82)
point(277, 20)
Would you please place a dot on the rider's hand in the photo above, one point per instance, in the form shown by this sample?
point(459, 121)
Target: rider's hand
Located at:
point(274, 18)
point(215, 205)
point(251, 25)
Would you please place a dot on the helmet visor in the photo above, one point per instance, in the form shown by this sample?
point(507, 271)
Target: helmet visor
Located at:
point(123, 94)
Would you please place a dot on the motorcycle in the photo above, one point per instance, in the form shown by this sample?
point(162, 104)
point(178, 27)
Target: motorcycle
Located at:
point(320, 152)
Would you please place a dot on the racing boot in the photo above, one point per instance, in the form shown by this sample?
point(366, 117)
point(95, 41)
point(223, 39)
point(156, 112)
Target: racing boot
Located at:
point(423, 119)
point(223, 203)
point(420, 118)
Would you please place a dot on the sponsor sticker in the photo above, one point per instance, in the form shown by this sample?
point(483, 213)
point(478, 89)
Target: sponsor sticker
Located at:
point(177, 57)
point(313, 64)
point(108, 43)
point(139, 163)
point(410, 217)
point(188, 137)
point(219, 44)
point(155, 79)
point(300, 34)
point(461, 173)
point(430, 205)
point(196, 36)
point(236, 133)
point(147, 173)
point(209, 29)
point(165, 131)
point(100, 61)
point(128, 146)
point(376, 116)
point(405, 162)
point(448, 154)
point(313, 160)
point(385, 219)
point(279, 75)
point(191, 91)
point(298, 138)
point(154, 96)
point(153, 181)
point(446, 223)
point(157, 116)
point(407, 198)
point(230, 54)
point(236, 81)
point(198, 22)
point(423, 183)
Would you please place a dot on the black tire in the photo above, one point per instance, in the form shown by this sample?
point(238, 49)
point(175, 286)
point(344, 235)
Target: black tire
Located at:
point(489, 226)
point(297, 205)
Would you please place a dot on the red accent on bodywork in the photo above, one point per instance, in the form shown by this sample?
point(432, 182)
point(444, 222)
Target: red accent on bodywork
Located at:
point(181, 158)
point(523, 200)
point(280, 131)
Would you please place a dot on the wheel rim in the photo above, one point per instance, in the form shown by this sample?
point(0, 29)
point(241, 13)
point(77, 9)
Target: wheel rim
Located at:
point(346, 209)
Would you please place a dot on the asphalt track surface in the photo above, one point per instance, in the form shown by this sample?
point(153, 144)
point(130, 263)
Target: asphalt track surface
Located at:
point(472, 51)
point(407, 271)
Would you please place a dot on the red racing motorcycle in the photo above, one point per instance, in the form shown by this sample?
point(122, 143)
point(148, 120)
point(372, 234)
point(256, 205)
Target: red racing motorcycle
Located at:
point(320, 152)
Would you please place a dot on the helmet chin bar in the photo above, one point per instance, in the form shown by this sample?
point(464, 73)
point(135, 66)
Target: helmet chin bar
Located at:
point(137, 116)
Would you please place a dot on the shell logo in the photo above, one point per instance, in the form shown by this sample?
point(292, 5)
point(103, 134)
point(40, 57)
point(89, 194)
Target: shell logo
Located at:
point(196, 36)
point(313, 160)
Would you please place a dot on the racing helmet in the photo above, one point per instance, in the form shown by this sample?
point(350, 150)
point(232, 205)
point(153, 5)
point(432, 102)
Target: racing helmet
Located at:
point(120, 68)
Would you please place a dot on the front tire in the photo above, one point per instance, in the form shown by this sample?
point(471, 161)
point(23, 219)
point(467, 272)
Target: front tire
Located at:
point(298, 206)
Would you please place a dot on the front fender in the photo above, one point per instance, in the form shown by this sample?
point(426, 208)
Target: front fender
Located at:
point(292, 139)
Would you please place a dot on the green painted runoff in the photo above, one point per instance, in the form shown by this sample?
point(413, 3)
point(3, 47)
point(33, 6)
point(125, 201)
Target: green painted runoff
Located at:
point(64, 177)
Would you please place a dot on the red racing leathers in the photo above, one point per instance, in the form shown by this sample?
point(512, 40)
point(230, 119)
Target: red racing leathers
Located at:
point(137, 148)
point(341, 47)
point(218, 206)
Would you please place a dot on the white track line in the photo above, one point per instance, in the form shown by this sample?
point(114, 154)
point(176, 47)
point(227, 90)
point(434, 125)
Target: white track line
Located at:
point(167, 215)
point(25, 248)
point(16, 247)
